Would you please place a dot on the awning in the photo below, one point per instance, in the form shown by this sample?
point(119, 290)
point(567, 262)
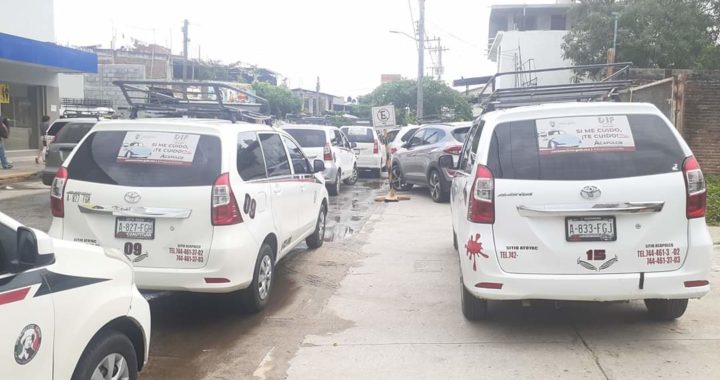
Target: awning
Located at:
point(55, 57)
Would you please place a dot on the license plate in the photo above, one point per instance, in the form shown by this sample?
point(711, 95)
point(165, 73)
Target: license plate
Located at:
point(591, 228)
point(135, 228)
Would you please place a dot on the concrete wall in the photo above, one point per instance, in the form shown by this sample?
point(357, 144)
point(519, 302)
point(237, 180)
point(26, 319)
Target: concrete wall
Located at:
point(701, 127)
point(544, 47)
point(71, 86)
point(99, 86)
point(32, 19)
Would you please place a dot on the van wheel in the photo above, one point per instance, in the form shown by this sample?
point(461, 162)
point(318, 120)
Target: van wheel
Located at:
point(666, 310)
point(435, 185)
point(353, 177)
point(109, 355)
point(473, 308)
point(334, 188)
point(256, 296)
point(316, 239)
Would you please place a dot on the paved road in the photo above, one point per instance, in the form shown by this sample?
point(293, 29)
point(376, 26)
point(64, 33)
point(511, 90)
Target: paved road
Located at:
point(382, 300)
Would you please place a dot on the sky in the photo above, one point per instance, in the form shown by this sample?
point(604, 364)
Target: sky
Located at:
point(346, 43)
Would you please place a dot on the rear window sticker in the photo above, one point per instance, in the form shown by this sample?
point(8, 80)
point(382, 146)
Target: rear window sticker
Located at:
point(77, 196)
point(158, 148)
point(585, 134)
point(474, 249)
point(190, 253)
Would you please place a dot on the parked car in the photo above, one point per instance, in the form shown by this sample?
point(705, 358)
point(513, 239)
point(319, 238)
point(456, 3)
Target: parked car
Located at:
point(397, 137)
point(67, 310)
point(619, 217)
point(212, 209)
point(59, 124)
point(329, 144)
point(63, 143)
point(417, 162)
point(371, 151)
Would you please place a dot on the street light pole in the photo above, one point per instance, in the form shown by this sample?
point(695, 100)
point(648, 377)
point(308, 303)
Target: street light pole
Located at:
point(616, 14)
point(421, 61)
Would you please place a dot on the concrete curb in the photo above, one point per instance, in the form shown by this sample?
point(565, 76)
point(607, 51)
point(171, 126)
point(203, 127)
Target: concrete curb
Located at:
point(17, 177)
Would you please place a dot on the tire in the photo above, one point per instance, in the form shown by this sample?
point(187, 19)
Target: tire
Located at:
point(334, 188)
point(435, 184)
point(666, 310)
point(315, 240)
point(257, 295)
point(97, 355)
point(353, 177)
point(455, 243)
point(473, 308)
point(47, 180)
point(398, 183)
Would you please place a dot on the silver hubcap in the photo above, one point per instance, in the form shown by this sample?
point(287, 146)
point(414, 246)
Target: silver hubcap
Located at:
point(434, 186)
point(112, 367)
point(354, 175)
point(321, 225)
point(397, 180)
point(265, 277)
point(337, 182)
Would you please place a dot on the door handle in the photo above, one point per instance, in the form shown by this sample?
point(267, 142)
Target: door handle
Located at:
point(276, 189)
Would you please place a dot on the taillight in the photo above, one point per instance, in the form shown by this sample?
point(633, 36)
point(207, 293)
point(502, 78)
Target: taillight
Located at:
point(481, 206)
point(57, 193)
point(695, 188)
point(376, 146)
point(453, 149)
point(393, 150)
point(225, 210)
point(327, 152)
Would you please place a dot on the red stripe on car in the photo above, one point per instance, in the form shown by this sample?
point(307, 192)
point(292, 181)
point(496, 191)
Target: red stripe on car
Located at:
point(14, 296)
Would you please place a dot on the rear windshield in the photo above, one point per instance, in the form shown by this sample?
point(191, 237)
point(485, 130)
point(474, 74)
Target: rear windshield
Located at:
point(359, 134)
point(72, 133)
point(147, 159)
point(584, 148)
point(56, 127)
point(460, 133)
point(308, 138)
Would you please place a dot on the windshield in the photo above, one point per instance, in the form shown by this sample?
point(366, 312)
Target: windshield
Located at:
point(72, 133)
point(308, 138)
point(460, 133)
point(56, 127)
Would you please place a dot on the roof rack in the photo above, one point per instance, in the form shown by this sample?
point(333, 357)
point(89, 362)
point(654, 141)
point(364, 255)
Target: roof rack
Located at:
point(608, 88)
point(191, 99)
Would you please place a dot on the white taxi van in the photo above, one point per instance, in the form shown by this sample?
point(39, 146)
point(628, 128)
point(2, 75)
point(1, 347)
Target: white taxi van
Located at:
point(197, 205)
point(67, 310)
point(580, 201)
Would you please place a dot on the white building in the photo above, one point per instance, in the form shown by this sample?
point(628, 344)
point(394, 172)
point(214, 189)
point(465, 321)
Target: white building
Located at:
point(30, 63)
point(528, 37)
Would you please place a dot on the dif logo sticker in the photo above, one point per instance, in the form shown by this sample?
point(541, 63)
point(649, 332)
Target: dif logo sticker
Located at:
point(28, 344)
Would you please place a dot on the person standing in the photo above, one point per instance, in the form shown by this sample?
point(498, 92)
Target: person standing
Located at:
point(4, 134)
point(42, 131)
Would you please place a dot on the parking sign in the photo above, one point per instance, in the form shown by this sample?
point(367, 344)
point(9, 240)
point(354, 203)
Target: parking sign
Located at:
point(383, 116)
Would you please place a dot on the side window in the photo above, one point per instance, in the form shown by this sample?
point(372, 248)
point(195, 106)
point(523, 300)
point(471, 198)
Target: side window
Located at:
point(417, 138)
point(408, 135)
point(467, 156)
point(336, 138)
point(300, 163)
point(250, 161)
point(276, 158)
point(346, 142)
point(433, 135)
point(8, 242)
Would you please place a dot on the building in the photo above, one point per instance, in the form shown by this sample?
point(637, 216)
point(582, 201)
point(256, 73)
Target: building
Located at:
point(30, 64)
point(319, 103)
point(527, 37)
point(389, 78)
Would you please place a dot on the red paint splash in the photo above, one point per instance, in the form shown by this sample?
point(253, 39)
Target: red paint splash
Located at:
point(474, 249)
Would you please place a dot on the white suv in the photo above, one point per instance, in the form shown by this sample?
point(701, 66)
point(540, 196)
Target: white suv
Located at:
point(203, 206)
point(330, 145)
point(371, 152)
point(67, 310)
point(609, 206)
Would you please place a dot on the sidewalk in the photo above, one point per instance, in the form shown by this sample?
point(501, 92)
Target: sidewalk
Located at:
point(24, 166)
point(715, 233)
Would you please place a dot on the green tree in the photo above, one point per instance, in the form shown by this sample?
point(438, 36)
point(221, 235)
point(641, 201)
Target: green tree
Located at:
point(679, 34)
point(280, 100)
point(440, 102)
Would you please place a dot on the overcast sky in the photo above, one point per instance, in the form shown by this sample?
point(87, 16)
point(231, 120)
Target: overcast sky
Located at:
point(345, 42)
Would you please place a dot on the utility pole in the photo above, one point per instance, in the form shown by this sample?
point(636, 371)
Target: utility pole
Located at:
point(438, 49)
point(185, 47)
point(421, 61)
point(317, 97)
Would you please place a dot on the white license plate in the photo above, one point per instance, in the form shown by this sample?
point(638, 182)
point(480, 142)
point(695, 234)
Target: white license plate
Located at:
point(134, 228)
point(591, 228)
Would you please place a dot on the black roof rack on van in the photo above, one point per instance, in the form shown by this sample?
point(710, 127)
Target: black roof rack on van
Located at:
point(215, 100)
point(606, 89)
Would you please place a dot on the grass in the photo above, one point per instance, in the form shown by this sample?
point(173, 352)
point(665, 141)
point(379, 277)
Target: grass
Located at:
point(713, 201)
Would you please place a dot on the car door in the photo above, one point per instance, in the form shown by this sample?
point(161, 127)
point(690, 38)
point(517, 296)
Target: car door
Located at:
point(463, 180)
point(337, 144)
point(303, 174)
point(431, 142)
point(27, 319)
point(348, 156)
point(254, 199)
point(413, 168)
point(284, 192)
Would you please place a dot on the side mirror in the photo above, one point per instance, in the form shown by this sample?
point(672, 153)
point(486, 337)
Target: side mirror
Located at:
point(446, 161)
point(318, 166)
point(353, 144)
point(27, 250)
